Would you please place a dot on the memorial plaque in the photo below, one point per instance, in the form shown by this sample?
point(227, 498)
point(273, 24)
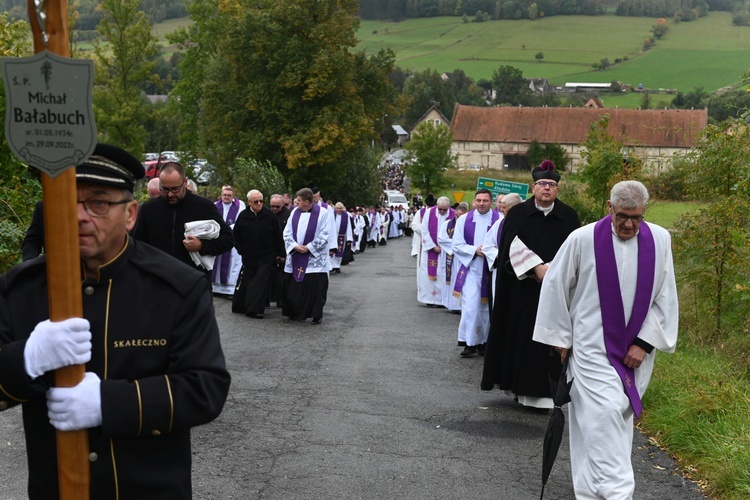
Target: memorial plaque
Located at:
point(49, 120)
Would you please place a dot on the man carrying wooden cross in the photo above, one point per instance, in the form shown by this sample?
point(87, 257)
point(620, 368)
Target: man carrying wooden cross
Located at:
point(148, 338)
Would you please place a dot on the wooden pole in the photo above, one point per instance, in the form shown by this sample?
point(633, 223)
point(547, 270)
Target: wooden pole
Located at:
point(63, 263)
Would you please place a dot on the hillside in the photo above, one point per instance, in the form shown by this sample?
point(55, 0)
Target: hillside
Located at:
point(708, 52)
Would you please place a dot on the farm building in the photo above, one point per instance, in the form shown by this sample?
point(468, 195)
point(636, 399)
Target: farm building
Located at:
point(498, 138)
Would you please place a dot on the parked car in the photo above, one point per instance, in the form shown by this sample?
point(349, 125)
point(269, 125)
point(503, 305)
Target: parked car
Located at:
point(152, 168)
point(204, 173)
point(474, 167)
point(171, 156)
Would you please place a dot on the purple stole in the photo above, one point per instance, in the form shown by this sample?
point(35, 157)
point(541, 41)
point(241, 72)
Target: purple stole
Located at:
point(469, 229)
point(449, 256)
point(342, 234)
point(432, 227)
point(226, 257)
point(618, 337)
point(300, 260)
point(499, 231)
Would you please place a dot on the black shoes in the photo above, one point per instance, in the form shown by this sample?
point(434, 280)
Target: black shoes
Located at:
point(254, 315)
point(316, 321)
point(469, 350)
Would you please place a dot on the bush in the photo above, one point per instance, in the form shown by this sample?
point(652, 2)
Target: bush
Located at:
point(247, 173)
point(741, 19)
point(668, 185)
point(11, 236)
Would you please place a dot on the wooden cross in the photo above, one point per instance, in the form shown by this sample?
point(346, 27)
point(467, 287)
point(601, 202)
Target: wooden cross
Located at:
point(63, 256)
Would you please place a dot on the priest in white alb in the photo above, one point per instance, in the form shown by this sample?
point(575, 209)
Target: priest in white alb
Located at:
point(608, 301)
point(492, 238)
point(445, 240)
point(227, 266)
point(306, 239)
point(428, 283)
point(473, 276)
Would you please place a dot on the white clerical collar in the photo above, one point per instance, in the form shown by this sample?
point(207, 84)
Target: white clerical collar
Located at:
point(546, 210)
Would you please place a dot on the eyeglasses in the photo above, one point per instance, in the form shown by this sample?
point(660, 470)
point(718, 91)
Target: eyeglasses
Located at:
point(96, 207)
point(256, 201)
point(277, 207)
point(173, 190)
point(635, 219)
point(545, 184)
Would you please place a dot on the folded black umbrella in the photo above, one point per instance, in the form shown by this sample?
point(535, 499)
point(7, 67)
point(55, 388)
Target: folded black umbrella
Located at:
point(556, 425)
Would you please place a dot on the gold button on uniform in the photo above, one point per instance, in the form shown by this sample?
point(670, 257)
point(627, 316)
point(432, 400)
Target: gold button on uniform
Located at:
point(89, 290)
point(3, 405)
point(156, 432)
point(93, 457)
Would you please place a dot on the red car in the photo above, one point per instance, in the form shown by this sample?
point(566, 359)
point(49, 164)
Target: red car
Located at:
point(152, 168)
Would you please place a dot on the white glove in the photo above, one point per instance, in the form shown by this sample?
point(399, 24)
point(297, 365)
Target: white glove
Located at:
point(54, 345)
point(76, 408)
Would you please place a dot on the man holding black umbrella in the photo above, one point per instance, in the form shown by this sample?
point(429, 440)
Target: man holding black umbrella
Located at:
point(608, 299)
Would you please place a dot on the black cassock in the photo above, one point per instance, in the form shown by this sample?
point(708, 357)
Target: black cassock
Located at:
point(513, 361)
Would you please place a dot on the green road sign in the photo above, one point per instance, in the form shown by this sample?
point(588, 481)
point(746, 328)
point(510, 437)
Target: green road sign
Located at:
point(497, 186)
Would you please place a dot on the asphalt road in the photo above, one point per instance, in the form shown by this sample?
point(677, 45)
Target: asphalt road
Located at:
point(374, 403)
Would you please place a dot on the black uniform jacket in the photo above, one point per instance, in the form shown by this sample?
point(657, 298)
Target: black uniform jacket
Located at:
point(258, 237)
point(513, 360)
point(155, 346)
point(163, 225)
point(33, 242)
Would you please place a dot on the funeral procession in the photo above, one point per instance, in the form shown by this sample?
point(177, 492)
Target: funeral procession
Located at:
point(335, 249)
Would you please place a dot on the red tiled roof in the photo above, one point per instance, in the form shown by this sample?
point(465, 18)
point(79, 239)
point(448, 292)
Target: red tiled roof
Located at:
point(673, 128)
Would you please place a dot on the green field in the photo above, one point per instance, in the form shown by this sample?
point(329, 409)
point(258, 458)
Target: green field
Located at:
point(708, 52)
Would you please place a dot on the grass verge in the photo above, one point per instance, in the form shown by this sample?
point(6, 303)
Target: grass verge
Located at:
point(697, 409)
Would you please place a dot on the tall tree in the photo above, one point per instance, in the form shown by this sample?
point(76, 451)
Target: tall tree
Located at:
point(425, 89)
point(429, 156)
point(199, 44)
point(19, 186)
point(605, 164)
point(712, 243)
point(122, 65)
point(286, 86)
point(510, 86)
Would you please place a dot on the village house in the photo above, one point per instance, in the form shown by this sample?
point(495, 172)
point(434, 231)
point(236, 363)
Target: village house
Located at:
point(432, 116)
point(498, 138)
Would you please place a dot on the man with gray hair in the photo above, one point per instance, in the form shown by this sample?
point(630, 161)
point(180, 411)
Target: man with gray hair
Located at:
point(607, 301)
point(279, 208)
point(445, 240)
point(492, 238)
point(428, 285)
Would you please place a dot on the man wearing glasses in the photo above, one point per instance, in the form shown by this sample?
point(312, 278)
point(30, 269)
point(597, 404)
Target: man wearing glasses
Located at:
point(432, 260)
point(227, 266)
point(279, 207)
point(148, 338)
point(161, 221)
point(608, 300)
point(539, 226)
point(258, 236)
